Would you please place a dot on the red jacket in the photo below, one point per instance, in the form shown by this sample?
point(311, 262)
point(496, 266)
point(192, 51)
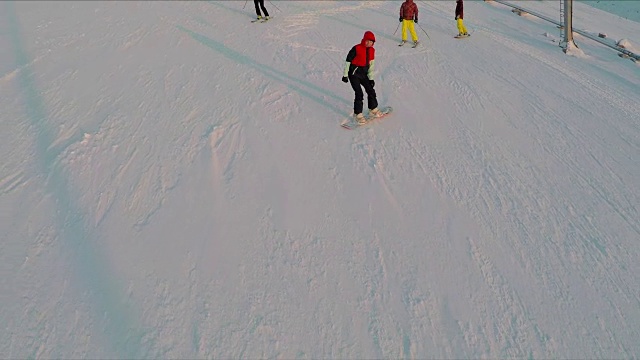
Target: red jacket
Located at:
point(409, 10)
point(360, 56)
point(459, 10)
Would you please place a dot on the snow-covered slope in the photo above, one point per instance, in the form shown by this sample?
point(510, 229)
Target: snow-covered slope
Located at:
point(174, 183)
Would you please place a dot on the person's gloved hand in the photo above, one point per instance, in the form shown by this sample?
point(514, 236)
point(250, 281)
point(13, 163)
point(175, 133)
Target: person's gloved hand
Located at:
point(345, 79)
point(400, 19)
point(373, 83)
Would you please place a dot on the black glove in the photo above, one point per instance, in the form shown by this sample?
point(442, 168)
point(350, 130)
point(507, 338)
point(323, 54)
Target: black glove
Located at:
point(456, 17)
point(373, 83)
point(415, 20)
point(345, 79)
point(400, 18)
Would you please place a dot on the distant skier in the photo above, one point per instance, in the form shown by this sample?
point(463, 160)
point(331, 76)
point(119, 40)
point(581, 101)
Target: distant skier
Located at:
point(260, 4)
point(462, 31)
point(359, 71)
point(408, 16)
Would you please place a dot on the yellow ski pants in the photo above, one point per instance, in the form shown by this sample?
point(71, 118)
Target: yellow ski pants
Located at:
point(461, 28)
point(408, 24)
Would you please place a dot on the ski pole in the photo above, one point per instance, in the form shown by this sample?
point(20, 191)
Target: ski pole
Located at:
point(274, 5)
point(245, 4)
point(424, 31)
point(397, 27)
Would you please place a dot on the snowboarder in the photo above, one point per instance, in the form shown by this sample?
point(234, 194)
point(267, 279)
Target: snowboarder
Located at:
point(408, 16)
point(462, 31)
point(359, 71)
point(260, 4)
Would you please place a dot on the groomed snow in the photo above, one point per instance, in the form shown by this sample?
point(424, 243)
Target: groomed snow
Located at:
point(174, 183)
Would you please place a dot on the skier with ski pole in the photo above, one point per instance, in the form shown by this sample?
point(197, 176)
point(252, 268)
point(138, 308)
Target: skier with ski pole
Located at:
point(462, 30)
point(409, 16)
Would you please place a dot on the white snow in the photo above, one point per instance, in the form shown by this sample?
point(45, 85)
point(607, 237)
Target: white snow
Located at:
point(174, 183)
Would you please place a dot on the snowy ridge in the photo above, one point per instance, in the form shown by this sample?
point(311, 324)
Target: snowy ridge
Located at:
point(175, 184)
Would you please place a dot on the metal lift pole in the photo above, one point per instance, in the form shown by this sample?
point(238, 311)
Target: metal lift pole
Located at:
point(568, 24)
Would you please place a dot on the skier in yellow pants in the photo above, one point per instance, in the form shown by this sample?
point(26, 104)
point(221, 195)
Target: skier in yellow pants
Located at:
point(409, 16)
point(462, 31)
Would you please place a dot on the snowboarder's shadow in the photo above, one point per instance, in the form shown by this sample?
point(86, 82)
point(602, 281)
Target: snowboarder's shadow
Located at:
point(277, 75)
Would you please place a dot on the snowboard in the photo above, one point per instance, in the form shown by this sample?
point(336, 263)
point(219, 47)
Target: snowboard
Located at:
point(352, 124)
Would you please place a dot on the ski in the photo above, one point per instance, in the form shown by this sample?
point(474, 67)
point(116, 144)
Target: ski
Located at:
point(414, 45)
point(461, 36)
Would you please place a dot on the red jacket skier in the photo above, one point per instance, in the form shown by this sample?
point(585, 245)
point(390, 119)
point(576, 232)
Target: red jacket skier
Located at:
point(359, 71)
point(408, 16)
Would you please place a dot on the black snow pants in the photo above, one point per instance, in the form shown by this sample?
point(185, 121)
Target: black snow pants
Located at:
point(357, 83)
point(261, 5)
